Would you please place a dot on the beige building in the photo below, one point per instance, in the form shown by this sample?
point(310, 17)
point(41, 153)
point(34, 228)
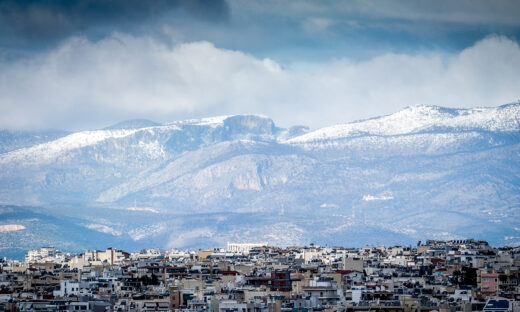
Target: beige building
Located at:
point(353, 264)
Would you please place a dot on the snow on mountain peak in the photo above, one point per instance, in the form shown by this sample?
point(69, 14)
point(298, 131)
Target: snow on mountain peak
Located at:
point(207, 121)
point(48, 151)
point(237, 126)
point(423, 118)
point(414, 119)
point(221, 120)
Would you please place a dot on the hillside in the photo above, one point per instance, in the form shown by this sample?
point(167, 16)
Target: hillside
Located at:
point(423, 172)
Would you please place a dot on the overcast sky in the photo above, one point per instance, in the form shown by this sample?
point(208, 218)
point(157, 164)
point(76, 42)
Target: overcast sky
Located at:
point(84, 64)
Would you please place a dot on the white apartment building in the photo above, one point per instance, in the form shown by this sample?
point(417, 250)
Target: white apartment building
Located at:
point(243, 247)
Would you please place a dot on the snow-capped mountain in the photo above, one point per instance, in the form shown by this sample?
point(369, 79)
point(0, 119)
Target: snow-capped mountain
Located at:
point(13, 140)
point(421, 119)
point(389, 179)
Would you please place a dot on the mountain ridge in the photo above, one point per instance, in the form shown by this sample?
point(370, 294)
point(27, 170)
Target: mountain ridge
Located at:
point(382, 177)
point(512, 121)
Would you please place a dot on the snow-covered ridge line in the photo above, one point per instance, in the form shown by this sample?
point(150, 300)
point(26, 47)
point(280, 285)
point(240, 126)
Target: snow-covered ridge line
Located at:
point(48, 151)
point(421, 118)
point(76, 140)
point(208, 121)
point(411, 120)
point(213, 121)
point(52, 149)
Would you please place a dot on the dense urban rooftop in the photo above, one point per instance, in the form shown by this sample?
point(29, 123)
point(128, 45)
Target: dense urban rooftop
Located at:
point(458, 275)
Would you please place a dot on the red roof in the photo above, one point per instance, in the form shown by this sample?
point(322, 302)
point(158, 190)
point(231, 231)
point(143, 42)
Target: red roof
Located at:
point(229, 272)
point(436, 260)
point(345, 271)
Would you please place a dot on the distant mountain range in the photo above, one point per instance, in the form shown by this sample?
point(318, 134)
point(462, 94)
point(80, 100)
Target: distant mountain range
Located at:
point(423, 172)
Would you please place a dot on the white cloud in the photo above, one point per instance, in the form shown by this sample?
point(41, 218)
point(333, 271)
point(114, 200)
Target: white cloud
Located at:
point(91, 84)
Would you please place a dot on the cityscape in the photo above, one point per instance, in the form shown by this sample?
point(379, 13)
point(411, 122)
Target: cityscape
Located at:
point(456, 275)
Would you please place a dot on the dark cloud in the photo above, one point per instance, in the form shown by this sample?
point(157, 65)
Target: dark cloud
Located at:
point(365, 28)
point(31, 23)
point(285, 30)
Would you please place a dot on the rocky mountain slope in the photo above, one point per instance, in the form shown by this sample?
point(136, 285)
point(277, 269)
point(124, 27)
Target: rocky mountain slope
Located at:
point(423, 172)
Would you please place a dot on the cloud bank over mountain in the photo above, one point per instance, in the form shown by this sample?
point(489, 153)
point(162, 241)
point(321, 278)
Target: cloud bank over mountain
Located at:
point(87, 84)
